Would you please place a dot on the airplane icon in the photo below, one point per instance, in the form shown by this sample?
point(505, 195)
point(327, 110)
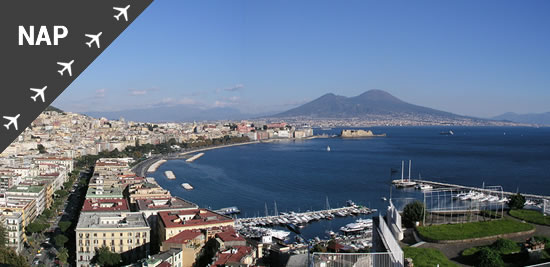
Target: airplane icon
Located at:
point(95, 39)
point(122, 11)
point(66, 67)
point(13, 121)
point(39, 93)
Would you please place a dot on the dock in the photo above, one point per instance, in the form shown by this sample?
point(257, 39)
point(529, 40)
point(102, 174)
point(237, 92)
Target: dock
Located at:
point(302, 217)
point(187, 186)
point(170, 175)
point(154, 166)
point(477, 189)
point(194, 157)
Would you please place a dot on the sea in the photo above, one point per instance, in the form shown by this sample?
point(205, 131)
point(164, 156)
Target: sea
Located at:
point(300, 175)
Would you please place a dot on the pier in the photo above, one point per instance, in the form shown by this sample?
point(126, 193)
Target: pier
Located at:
point(303, 217)
point(170, 175)
point(477, 189)
point(154, 166)
point(194, 157)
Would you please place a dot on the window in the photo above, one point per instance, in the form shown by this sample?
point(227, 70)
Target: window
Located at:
point(95, 234)
point(112, 234)
point(104, 234)
point(104, 242)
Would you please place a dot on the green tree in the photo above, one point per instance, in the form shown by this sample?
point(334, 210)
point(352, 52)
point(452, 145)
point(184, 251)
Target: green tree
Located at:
point(516, 202)
point(36, 227)
point(64, 225)
point(41, 149)
point(61, 193)
point(104, 257)
point(63, 255)
point(487, 257)
point(413, 212)
point(60, 240)
point(9, 257)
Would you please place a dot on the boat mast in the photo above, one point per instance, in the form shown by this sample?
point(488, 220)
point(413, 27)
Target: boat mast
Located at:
point(276, 211)
point(402, 169)
point(266, 212)
point(409, 170)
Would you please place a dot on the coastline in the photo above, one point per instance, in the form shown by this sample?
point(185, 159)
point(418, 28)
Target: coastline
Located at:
point(142, 167)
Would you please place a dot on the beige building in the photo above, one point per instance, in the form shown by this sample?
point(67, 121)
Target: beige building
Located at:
point(125, 233)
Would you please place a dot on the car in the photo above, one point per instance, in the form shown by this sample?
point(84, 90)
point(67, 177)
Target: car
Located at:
point(35, 262)
point(39, 255)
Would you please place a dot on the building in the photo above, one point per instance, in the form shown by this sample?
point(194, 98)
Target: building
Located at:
point(67, 162)
point(189, 242)
point(105, 205)
point(237, 256)
point(100, 192)
point(29, 192)
point(172, 257)
point(172, 223)
point(13, 225)
point(124, 233)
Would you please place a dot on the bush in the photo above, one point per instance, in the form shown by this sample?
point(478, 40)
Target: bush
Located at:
point(9, 257)
point(104, 257)
point(413, 212)
point(516, 202)
point(505, 246)
point(64, 225)
point(487, 257)
point(36, 227)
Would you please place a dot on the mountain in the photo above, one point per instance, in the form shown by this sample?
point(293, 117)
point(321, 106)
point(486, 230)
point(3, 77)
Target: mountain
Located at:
point(52, 108)
point(372, 102)
point(178, 113)
point(531, 118)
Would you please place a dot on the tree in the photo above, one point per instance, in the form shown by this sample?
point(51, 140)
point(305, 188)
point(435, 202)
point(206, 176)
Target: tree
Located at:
point(64, 225)
point(9, 257)
point(61, 193)
point(60, 240)
point(41, 149)
point(487, 257)
point(36, 227)
point(63, 255)
point(413, 212)
point(516, 202)
point(104, 257)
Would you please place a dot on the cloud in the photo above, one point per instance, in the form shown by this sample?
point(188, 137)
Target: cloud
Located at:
point(138, 92)
point(169, 101)
point(100, 93)
point(228, 102)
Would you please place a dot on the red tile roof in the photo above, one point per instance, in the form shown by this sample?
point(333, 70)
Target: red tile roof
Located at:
point(198, 217)
point(229, 234)
point(232, 256)
point(118, 204)
point(184, 237)
point(164, 264)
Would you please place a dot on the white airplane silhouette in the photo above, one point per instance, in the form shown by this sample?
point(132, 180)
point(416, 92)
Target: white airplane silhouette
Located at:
point(39, 93)
point(13, 120)
point(66, 67)
point(95, 39)
point(122, 11)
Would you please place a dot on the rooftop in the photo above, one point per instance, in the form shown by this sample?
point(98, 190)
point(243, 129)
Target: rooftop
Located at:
point(165, 203)
point(104, 192)
point(105, 205)
point(26, 189)
point(194, 217)
point(234, 255)
point(111, 220)
point(229, 235)
point(184, 236)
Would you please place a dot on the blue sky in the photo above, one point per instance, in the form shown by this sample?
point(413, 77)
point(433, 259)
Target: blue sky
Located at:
point(478, 58)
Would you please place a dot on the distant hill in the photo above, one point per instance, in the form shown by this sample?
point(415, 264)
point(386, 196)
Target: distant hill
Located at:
point(52, 108)
point(531, 118)
point(178, 113)
point(372, 102)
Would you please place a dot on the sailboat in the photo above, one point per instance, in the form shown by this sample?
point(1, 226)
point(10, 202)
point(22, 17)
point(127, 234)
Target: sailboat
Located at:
point(328, 148)
point(403, 182)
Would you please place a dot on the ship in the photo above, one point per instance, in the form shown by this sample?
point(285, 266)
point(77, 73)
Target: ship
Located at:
point(358, 226)
point(328, 148)
point(449, 132)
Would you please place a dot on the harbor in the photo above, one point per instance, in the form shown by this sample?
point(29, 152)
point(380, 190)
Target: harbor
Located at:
point(303, 217)
point(155, 166)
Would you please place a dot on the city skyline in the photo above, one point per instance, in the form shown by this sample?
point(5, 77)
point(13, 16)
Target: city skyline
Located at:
point(469, 58)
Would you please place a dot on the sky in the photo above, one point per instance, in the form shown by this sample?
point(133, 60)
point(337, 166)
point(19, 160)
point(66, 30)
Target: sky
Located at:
point(476, 58)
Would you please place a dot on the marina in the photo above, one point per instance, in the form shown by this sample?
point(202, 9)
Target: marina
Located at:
point(302, 217)
point(195, 157)
point(170, 175)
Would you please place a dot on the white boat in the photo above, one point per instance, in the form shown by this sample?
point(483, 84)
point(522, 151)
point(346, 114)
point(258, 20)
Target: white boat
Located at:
point(424, 187)
point(328, 148)
point(404, 183)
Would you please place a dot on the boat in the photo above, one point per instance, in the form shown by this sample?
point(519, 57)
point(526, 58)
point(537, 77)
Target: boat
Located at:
point(424, 187)
point(187, 186)
point(357, 226)
point(404, 183)
point(384, 199)
point(449, 132)
point(328, 148)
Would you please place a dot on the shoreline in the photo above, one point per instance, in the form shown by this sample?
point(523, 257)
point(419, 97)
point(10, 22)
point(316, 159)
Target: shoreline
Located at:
point(141, 168)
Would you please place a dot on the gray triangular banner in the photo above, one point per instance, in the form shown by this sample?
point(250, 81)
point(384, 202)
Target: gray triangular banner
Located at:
point(46, 45)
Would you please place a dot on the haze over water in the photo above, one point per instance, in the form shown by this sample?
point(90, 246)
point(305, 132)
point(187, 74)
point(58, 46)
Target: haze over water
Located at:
point(299, 175)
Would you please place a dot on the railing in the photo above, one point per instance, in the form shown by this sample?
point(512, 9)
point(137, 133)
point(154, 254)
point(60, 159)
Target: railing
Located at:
point(352, 260)
point(390, 243)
